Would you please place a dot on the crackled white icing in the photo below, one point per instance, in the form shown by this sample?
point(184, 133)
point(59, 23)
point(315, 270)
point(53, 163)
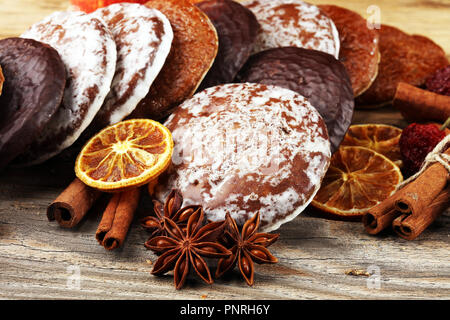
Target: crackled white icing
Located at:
point(88, 51)
point(143, 37)
point(242, 148)
point(294, 23)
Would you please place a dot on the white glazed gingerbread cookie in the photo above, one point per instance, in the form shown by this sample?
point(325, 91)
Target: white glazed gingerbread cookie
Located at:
point(244, 148)
point(294, 23)
point(143, 38)
point(88, 50)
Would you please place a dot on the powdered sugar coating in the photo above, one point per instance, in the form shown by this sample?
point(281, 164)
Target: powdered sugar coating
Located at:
point(88, 51)
point(143, 38)
point(243, 148)
point(294, 23)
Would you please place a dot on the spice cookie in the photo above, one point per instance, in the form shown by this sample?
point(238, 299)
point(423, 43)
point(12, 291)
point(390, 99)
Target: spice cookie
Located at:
point(194, 49)
point(143, 38)
point(36, 78)
point(293, 23)
point(237, 29)
point(316, 75)
point(359, 46)
point(88, 51)
point(404, 58)
point(247, 148)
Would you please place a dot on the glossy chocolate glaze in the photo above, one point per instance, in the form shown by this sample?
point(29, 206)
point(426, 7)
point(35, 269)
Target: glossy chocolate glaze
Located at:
point(33, 91)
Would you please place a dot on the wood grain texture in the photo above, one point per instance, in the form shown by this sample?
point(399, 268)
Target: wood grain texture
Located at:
point(314, 256)
point(314, 253)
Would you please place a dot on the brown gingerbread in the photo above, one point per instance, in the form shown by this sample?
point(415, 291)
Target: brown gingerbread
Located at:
point(404, 58)
point(194, 49)
point(359, 46)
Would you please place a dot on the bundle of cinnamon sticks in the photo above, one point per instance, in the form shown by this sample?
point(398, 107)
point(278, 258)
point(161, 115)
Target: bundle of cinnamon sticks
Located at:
point(77, 199)
point(418, 202)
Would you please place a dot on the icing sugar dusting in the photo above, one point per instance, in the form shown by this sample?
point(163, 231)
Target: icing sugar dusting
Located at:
point(242, 148)
point(88, 51)
point(294, 23)
point(143, 37)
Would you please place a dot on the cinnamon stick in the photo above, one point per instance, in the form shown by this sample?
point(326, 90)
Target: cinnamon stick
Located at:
point(72, 204)
point(117, 218)
point(410, 226)
point(382, 215)
point(413, 208)
point(419, 194)
point(416, 104)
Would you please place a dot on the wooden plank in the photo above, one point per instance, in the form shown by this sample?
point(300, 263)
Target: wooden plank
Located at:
point(314, 256)
point(36, 256)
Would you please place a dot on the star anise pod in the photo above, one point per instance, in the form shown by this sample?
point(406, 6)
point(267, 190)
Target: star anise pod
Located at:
point(183, 249)
point(170, 209)
point(246, 247)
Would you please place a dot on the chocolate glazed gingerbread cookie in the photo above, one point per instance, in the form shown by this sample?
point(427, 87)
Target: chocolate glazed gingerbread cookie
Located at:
point(237, 29)
point(36, 78)
point(316, 75)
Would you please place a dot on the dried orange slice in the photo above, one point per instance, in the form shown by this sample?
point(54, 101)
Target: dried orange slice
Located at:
point(381, 138)
point(127, 154)
point(358, 178)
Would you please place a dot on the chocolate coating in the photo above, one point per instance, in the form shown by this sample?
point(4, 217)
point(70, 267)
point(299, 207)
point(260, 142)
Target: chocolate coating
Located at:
point(237, 29)
point(316, 75)
point(36, 78)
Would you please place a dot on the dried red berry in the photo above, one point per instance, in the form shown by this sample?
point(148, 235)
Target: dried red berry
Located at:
point(440, 81)
point(416, 141)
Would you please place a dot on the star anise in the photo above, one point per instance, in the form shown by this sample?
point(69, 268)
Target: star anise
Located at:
point(183, 249)
point(170, 209)
point(246, 247)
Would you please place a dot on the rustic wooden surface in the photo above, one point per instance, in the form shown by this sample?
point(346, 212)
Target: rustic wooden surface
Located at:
point(36, 256)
